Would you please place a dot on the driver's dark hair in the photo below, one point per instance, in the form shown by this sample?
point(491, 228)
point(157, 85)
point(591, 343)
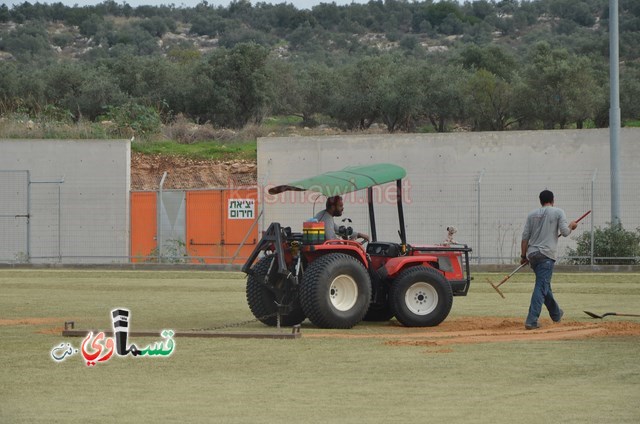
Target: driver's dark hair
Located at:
point(331, 201)
point(546, 196)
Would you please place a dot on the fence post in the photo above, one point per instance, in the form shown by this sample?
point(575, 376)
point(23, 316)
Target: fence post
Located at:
point(28, 216)
point(478, 184)
point(60, 222)
point(159, 213)
point(261, 196)
point(593, 183)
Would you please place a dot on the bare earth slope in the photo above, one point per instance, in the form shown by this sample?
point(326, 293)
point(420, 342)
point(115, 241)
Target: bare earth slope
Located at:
point(184, 173)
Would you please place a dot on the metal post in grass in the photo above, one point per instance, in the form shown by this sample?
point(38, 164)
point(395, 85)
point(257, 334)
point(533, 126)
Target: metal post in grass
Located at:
point(159, 213)
point(478, 184)
point(28, 216)
point(614, 111)
point(261, 187)
point(60, 222)
point(592, 238)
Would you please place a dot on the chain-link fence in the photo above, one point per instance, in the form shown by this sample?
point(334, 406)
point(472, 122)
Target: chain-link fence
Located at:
point(92, 221)
point(30, 213)
point(14, 215)
point(49, 221)
point(487, 208)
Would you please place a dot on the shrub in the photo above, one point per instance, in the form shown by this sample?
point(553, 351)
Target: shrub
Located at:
point(53, 113)
point(185, 131)
point(141, 120)
point(611, 243)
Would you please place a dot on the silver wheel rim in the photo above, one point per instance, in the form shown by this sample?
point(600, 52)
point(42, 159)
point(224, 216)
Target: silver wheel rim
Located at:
point(421, 298)
point(343, 292)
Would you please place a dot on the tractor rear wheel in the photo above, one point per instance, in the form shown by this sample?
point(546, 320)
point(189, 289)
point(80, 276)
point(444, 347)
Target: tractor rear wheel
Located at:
point(421, 297)
point(262, 295)
point(335, 291)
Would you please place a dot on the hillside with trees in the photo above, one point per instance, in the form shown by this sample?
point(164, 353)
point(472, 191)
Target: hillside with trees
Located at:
point(397, 65)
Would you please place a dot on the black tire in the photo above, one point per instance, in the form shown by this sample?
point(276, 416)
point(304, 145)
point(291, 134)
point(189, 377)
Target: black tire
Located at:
point(262, 296)
point(335, 291)
point(421, 297)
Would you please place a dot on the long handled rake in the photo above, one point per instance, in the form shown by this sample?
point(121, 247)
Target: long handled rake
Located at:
point(504, 280)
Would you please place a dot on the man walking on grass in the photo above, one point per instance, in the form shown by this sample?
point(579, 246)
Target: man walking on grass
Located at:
point(539, 245)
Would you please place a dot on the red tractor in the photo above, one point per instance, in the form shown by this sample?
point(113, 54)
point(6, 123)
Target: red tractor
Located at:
point(338, 283)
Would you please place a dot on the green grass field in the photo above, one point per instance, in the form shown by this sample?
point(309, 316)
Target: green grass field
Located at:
point(311, 380)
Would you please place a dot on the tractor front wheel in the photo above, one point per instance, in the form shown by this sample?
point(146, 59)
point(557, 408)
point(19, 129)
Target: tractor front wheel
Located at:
point(335, 291)
point(421, 297)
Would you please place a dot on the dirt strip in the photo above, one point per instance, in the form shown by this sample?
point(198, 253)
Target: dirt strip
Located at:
point(461, 330)
point(489, 330)
point(31, 321)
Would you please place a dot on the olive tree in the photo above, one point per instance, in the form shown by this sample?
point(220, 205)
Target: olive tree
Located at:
point(558, 88)
point(230, 88)
point(399, 94)
point(301, 89)
point(355, 101)
point(491, 102)
point(444, 97)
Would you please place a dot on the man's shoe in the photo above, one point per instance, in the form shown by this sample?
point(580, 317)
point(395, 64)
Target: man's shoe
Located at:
point(560, 317)
point(531, 327)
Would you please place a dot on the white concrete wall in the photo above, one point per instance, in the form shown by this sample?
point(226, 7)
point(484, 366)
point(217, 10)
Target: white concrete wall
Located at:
point(91, 225)
point(483, 183)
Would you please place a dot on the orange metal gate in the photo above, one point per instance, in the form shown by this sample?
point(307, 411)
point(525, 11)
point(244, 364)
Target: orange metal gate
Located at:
point(220, 225)
point(143, 225)
point(204, 223)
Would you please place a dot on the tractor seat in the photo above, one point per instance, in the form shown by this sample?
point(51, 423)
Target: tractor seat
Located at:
point(377, 248)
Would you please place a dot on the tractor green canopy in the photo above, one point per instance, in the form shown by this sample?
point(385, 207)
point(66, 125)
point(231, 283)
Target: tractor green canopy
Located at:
point(351, 178)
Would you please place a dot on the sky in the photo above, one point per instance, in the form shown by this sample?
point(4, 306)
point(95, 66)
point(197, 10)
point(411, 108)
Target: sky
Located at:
point(299, 4)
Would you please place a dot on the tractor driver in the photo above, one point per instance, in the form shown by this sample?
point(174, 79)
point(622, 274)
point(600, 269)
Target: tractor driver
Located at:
point(334, 207)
